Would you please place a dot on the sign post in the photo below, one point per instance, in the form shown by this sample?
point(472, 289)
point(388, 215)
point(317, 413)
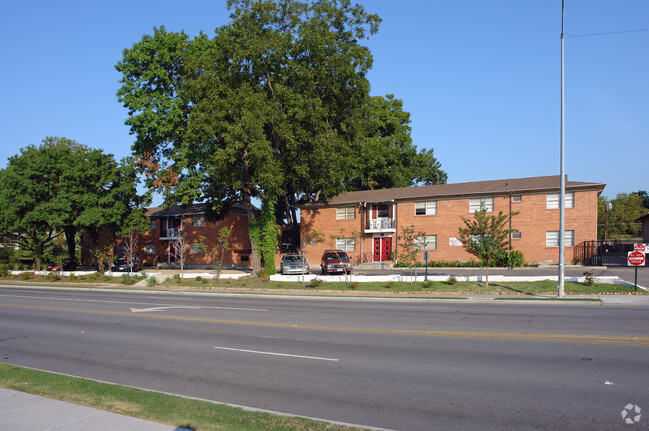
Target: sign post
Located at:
point(636, 258)
point(426, 256)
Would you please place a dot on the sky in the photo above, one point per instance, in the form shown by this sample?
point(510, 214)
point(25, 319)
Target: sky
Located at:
point(480, 79)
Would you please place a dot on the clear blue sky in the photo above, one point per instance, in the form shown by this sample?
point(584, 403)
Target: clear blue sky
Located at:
point(480, 79)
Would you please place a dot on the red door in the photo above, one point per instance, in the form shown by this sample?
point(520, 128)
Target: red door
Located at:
point(382, 249)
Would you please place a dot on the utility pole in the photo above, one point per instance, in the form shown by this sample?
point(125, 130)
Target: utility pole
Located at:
point(562, 197)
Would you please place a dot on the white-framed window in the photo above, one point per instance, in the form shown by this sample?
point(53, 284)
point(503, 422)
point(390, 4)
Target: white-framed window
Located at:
point(426, 242)
point(552, 200)
point(152, 224)
point(346, 244)
point(196, 248)
point(345, 213)
point(198, 221)
point(517, 198)
point(516, 235)
point(476, 204)
point(426, 208)
point(149, 248)
point(552, 238)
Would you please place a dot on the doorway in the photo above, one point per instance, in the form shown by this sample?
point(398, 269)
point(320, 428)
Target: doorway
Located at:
point(382, 248)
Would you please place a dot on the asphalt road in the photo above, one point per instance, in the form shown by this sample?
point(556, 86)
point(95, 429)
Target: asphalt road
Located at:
point(407, 365)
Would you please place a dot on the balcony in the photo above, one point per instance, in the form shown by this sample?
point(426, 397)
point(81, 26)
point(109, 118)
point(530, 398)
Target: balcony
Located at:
point(381, 224)
point(170, 233)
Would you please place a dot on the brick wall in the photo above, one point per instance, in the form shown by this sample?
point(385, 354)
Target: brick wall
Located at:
point(533, 221)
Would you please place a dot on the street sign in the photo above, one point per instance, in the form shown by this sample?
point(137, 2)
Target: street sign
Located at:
point(635, 258)
point(641, 248)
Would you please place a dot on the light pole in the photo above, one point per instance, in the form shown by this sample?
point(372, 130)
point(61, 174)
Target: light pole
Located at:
point(562, 197)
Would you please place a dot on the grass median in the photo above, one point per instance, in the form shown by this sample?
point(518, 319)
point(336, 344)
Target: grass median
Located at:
point(154, 406)
point(321, 286)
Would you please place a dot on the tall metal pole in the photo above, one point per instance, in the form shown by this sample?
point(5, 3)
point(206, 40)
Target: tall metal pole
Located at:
point(562, 197)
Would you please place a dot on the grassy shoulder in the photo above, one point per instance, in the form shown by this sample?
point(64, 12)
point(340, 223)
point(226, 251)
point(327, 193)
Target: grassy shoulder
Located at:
point(250, 284)
point(168, 409)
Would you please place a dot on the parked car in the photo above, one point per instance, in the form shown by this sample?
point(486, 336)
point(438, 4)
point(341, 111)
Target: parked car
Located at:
point(335, 261)
point(66, 265)
point(121, 264)
point(294, 264)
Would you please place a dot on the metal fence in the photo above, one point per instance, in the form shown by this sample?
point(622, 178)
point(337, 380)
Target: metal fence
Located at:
point(604, 253)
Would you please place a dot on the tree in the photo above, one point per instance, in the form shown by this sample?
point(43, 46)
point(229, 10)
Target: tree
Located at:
point(273, 106)
point(408, 251)
point(179, 246)
point(486, 236)
point(625, 209)
point(62, 187)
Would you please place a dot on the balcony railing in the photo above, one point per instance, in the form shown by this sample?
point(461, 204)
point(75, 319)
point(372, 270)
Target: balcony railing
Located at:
point(170, 233)
point(380, 225)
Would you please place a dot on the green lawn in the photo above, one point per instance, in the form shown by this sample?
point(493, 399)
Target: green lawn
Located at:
point(154, 406)
point(254, 284)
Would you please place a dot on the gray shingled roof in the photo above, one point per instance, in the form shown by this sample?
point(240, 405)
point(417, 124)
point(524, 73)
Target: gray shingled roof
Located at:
point(477, 188)
point(195, 209)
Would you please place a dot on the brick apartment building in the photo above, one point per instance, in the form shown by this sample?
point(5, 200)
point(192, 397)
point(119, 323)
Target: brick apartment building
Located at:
point(155, 246)
point(368, 224)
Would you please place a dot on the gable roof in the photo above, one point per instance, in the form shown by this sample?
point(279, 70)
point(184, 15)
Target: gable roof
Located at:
point(194, 209)
point(477, 188)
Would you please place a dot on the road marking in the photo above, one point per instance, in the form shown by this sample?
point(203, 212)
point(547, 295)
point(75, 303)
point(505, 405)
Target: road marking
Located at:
point(189, 307)
point(277, 354)
point(618, 340)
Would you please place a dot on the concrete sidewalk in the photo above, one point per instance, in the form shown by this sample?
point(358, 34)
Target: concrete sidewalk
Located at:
point(20, 411)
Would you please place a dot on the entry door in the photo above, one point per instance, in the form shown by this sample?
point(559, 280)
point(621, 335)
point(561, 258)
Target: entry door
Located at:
point(382, 249)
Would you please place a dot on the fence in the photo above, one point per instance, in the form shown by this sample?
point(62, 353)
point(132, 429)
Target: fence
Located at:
point(604, 253)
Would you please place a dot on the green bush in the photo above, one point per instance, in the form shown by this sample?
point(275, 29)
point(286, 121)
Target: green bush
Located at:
point(506, 259)
point(315, 282)
point(451, 280)
point(26, 275)
point(151, 281)
point(4, 270)
point(72, 277)
point(53, 276)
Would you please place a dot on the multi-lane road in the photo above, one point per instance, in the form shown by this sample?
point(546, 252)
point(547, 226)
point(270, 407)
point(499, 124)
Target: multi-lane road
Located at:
point(406, 365)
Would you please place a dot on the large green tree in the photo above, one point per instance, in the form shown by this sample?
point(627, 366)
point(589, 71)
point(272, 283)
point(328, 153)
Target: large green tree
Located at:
point(624, 210)
point(275, 106)
point(62, 187)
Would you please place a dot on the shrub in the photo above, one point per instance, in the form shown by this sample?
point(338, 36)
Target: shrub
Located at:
point(589, 278)
point(107, 278)
point(451, 280)
point(315, 282)
point(72, 277)
point(53, 276)
point(427, 284)
point(26, 275)
point(4, 270)
point(353, 285)
point(127, 279)
point(512, 259)
point(151, 281)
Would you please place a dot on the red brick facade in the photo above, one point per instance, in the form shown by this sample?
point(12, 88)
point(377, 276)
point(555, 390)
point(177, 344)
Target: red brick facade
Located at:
point(360, 229)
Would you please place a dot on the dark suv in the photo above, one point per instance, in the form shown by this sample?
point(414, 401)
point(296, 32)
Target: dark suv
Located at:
point(122, 264)
point(335, 261)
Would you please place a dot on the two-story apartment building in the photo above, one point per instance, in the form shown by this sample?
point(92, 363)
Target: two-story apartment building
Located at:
point(201, 236)
point(368, 225)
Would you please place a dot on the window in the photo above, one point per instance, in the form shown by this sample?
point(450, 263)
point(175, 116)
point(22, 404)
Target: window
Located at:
point(517, 198)
point(198, 221)
point(345, 213)
point(196, 248)
point(426, 242)
point(477, 203)
point(516, 235)
point(426, 208)
point(552, 238)
point(346, 244)
point(382, 211)
point(552, 200)
point(152, 224)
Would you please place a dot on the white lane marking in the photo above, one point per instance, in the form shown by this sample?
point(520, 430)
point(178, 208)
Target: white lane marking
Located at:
point(104, 301)
point(277, 354)
point(189, 307)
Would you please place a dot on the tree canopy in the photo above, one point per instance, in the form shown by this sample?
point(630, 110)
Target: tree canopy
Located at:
point(275, 106)
point(62, 187)
point(625, 209)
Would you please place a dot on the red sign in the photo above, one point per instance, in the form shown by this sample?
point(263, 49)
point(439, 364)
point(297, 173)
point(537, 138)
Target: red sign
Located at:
point(642, 248)
point(636, 258)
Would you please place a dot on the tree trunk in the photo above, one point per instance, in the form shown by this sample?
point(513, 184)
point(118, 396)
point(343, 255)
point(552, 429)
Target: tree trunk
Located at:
point(70, 239)
point(250, 211)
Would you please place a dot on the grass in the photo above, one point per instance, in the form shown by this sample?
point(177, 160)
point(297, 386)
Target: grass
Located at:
point(382, 288)
point(168, 409)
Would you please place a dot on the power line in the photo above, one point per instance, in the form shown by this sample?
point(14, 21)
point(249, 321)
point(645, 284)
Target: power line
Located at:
point(606, 34)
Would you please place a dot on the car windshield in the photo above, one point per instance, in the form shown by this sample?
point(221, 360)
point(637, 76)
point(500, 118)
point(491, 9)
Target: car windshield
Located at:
point(336, 256)
point(292, 258)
